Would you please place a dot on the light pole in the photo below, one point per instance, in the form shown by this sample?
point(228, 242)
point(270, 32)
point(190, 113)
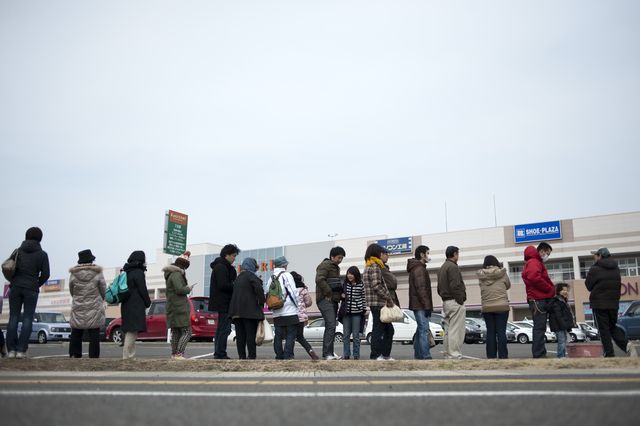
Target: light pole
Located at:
point(332, 236)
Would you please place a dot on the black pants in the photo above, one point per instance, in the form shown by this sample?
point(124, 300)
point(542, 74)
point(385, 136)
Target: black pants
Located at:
point(300, 338)
point(381, 335)
point(246, 330)
point(75, 345)
point(540, 315)
point(606, 320)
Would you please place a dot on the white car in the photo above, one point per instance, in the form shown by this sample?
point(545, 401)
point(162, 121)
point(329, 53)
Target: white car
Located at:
point(405, 330)
point(315, 331)
point(549, 336)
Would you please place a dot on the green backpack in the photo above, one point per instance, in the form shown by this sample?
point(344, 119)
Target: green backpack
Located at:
point(275, 298)
point(118, 291)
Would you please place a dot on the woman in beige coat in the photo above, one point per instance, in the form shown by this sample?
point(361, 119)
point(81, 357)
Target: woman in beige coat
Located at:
point(87, 287)
point(494, 283)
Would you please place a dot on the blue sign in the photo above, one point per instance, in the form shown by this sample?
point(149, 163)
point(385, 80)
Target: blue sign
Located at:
point(397, 245)
point(538, 232)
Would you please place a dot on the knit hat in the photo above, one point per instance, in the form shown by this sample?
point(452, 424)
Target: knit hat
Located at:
point(183, 260)
point(34, 234)
point(137, 256)
point(85, 256)
point(280, 262)
point(249, 264)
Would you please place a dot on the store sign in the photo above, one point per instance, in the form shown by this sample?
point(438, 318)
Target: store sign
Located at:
point(538, 232)
point(175, 233)
point(52, 285)
point(397, 245)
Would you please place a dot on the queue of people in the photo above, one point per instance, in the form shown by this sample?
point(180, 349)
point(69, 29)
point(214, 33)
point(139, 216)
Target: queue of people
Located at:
point(240, 299)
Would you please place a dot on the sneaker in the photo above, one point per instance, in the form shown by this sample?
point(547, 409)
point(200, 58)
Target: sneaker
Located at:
point(11, 354)
point(333, 357)
point(389, 359)
point(380, 358)
point(179, 357)
point(21, 355)
point(631, 350)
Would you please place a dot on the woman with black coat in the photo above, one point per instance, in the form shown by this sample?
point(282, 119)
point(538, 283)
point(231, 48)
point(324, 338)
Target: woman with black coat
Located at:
point(245, 308)
point(133, 308)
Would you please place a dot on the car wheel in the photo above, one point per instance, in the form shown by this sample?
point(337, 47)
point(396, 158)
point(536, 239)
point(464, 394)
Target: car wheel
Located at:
point(338, 337)
point(573, 338)
point(117, 337)
point(587, 339)
point(523, 338)
point(369, 338)
point(42, 337)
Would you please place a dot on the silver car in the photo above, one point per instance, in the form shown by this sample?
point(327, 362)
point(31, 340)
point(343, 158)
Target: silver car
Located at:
point(48, 326)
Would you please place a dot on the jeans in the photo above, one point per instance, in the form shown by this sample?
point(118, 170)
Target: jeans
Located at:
point(606, 320)
point(454, 328)
point(222, 334)
point(539, 312)
point(75, 343)
point(381, 335)
point(20, 299)
point(288, 333)
point(351, 326)
point(421, 348)
point(562, 343)
point(300, 338)
point(246, 330)
point(328, 309)
point(496, 334)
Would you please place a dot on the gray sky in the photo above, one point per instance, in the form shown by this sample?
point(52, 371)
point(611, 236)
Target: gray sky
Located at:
point(278, 122)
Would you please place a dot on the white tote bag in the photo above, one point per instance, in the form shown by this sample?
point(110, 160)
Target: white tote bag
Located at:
point(392, 314)
point(265, 333)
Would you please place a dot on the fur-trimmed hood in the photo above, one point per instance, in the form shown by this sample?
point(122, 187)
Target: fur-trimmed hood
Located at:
point(170, 269)
point(85, 272)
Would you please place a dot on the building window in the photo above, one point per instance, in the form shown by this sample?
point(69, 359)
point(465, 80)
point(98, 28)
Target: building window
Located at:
point(558, 272)
point(629, 266)
point(515, 273)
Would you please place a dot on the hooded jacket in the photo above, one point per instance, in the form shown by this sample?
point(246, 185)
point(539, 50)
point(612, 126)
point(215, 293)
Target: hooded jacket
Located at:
point(327, 270)
point(87, 288)
point(419, 286)
point(248, 298)
point(560, 316)
point(494, 283)
point(32, 267)
point(535, 276)
point(178, 310)
point(133, 308)
point(604, 283)
point(223, 274)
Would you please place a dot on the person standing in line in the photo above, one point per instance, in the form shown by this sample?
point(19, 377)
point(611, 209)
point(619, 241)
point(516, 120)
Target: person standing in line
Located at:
point(453, 292)
point(223, 274)
point(353, 306)
point(32, 271)
point(420, 300)
point(245, 308)
point(87, 288)
point(178, 309)
point(377, 295)
point(561, 320)
point(304, 301)
point(540, 292)
point(604, 284)
point(286, 318)
point(390, 280)
point(494, 283)
point(134, 305)
point(328, 295)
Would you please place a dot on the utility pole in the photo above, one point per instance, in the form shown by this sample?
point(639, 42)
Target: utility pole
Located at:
point(446, 219)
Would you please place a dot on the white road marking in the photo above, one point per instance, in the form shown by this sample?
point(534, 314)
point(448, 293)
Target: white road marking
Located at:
point(201, 356)
point(444, 394)
point(55, 356)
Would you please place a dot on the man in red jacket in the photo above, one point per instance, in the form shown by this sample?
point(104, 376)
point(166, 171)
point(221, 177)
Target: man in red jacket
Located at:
point(540, 292)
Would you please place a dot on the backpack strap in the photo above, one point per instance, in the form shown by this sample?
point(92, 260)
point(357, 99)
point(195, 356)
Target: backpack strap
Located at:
point(295, 302)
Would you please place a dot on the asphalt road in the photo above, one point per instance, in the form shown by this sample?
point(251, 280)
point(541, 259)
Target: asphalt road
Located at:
point(196, 350)
point(418, 398)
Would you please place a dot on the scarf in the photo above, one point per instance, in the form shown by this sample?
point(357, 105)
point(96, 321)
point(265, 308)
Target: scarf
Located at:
point(374, 260)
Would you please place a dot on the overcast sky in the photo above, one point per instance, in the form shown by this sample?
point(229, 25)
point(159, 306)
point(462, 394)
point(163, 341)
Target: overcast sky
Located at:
point(278, 122)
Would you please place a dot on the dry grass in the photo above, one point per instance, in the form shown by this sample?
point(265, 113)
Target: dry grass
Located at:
point(209, 365)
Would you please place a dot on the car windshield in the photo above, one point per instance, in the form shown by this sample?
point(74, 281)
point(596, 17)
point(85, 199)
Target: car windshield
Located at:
point(201, 305)
point(410, 314)
point(52, 318)
point(524, 325)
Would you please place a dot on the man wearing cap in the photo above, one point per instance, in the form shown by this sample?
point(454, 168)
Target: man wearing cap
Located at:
point(604, 283)
point(285, 319)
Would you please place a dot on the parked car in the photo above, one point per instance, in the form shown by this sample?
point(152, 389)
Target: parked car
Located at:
point(103, 331)
point(473, 332)
point(48, 326)
point(549, 336)
point(405, 331)
point(629, 321)
point(577, 335)
point(315, 331)
point(204, 323)
point(590, 332)
point(523, 334)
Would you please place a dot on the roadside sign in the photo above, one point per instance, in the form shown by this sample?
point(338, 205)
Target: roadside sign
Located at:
point(175, 233)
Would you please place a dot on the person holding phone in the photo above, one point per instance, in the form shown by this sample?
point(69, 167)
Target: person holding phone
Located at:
point(178, 309)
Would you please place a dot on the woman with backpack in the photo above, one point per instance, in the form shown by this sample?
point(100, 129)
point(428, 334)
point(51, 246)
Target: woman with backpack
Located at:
point(304, 301)
point(178, 310)
point(351, 311)
point(245, 308)
point(135, 303)
point(87, 287)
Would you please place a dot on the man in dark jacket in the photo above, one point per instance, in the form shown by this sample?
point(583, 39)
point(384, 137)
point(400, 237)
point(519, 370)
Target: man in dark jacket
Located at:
point(540, 293)
point(32, 271)
point(420, 301)
point(223, 274)
point(453, 292)
point(604, 283)
point(328, 294)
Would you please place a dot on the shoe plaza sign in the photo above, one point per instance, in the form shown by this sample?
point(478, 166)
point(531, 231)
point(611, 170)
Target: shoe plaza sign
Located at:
point(542, 231)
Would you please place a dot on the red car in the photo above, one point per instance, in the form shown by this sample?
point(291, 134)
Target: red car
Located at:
point(203, 322)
